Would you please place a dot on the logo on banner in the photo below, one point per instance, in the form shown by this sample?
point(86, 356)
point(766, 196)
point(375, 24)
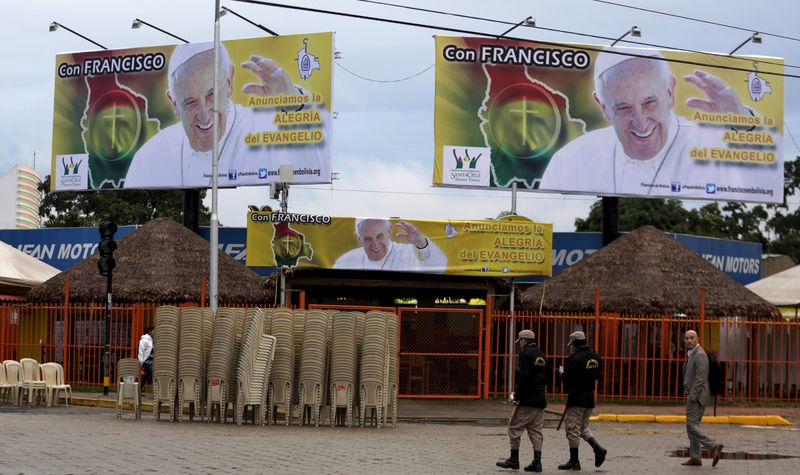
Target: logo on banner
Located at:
point(467, 166)
point(233, 175)
point(711, 188)
point(73, 171)
point(676, 187)
point(262, 173)
point(306, 62)
point(757, 86)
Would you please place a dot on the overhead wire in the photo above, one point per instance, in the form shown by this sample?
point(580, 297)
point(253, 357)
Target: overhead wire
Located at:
point(525, 40)
point(384, 80)
point(699, 20)
point(556, 30)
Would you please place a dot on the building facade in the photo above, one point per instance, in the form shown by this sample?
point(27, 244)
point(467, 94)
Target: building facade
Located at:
point(20, 196)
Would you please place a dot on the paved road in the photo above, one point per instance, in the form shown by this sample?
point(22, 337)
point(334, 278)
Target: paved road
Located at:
point(91, 440)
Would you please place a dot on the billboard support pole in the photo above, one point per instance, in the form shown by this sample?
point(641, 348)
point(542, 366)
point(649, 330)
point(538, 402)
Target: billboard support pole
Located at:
point(511, 333)
point(214, 224)
point(191, 210)
point(514, 198)
point(610, 219)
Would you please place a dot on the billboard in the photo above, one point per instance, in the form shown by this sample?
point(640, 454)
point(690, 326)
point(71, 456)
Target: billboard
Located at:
point(142, 117)
point(607, 121)
point(479, 248)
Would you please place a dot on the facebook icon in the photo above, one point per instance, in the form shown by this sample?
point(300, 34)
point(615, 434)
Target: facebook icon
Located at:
point(676, 186)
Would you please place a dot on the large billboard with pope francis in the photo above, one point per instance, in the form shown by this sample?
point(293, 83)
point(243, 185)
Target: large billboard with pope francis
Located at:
point(143, 117)
point(596, 120)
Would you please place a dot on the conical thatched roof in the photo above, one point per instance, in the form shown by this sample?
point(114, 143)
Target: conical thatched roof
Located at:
point(646, 272)
point(161, 262)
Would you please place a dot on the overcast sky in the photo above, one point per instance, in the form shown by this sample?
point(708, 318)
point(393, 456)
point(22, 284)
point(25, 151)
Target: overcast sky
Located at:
point(383, 136)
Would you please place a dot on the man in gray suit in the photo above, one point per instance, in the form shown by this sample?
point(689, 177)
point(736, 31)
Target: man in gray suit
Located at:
point(698, 396)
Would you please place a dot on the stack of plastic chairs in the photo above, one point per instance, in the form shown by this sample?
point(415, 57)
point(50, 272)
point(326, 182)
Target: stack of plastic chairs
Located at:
point(373, 367)
point(266, 329)
point(165, 365)
point(32, 382)
point(190, 361)
point(13, 382)
point(343, 368)
point(391, 354)
point(237, 346)
point(208, 328)
point(312, 366)
point(128, 381)
point(299, 328)
point(220, 360)
point(282, 377)
point(360, 316)
point(248, 390)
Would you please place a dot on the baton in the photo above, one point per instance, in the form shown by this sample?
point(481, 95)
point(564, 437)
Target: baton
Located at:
point(561, 421)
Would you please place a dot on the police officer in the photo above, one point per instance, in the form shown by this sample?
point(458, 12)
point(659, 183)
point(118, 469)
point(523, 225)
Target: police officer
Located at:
point(583, 369)
point(529, 403)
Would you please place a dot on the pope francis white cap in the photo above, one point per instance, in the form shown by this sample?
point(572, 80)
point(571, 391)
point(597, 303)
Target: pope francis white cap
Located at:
point(184, 52)
point(612, 56)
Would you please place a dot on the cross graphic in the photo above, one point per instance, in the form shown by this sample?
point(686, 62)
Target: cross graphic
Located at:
point(113, 118)
point(288, 241)
point(524, 111)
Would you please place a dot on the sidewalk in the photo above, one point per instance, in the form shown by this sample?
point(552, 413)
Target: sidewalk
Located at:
point(496, 412)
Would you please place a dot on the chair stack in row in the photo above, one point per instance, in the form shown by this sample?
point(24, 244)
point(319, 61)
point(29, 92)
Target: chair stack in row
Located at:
point(32, 383)
point(313, 365)
point(392, 339)
point(372, 377)
point(220, 361)
point(191, 361)
point(343, 368)
point(282, 377)
point(253, 370)
point(165, 361)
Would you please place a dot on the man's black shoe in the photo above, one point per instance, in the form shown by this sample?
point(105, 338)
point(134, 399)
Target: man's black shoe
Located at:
point(600, 456)
point(570, 465)
point(509, 463)
point(534, 467)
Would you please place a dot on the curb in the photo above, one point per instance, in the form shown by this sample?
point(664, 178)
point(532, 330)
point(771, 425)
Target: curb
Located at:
point(770, 420)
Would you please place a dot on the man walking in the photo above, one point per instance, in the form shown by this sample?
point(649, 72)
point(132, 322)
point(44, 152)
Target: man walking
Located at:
point(698, 396)
point(529, 403)
point(146, 357)
point(582, 370)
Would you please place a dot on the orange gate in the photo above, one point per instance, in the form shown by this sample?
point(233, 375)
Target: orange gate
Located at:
point(440, 353)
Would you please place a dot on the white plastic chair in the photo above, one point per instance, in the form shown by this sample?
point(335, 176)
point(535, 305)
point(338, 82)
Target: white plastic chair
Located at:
point(128, 381)
point(12, 374)
point(5, 387)
point(32, 379)
point(49, 371)
point(60, 386)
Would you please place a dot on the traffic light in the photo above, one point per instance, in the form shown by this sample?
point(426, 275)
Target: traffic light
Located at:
point(107, 247)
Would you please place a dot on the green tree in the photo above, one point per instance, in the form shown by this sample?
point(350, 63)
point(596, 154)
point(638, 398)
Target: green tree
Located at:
point(732, 220)
point(668, 215)
point(785, 224)
point(126, 207)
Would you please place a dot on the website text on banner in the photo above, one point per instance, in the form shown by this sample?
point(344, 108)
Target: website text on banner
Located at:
point(142, 118)
point(607, 121)
point(480, 248)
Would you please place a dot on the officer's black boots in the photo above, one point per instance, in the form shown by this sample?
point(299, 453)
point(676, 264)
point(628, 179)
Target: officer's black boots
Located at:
point(536, 465)
point(511, 462)
point(573, 463)
point(599, 452)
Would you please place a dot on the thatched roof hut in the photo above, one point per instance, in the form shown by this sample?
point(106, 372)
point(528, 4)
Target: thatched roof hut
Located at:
point(646, 272)
point(161, 262)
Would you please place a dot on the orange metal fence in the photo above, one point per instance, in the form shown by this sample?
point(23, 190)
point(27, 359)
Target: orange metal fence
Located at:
point(643, 356)
point(464, 353)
